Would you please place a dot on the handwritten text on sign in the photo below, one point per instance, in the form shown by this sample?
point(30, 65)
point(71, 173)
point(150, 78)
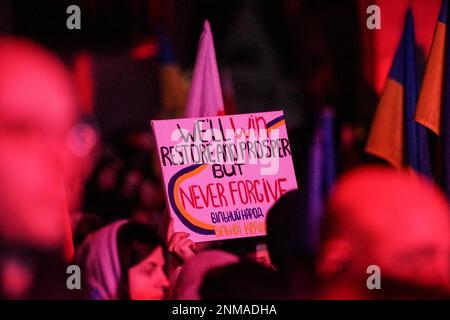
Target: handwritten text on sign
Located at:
point(222, 174)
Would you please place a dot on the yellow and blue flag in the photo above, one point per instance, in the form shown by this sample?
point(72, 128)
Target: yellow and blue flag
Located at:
point(395, 136)
point(173, 87)
point(433, 107)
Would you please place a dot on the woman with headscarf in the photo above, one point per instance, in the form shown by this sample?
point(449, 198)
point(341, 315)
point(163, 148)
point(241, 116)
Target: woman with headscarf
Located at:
point(123, 260)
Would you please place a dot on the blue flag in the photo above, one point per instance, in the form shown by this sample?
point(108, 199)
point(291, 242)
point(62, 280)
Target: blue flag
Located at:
point(321, 174)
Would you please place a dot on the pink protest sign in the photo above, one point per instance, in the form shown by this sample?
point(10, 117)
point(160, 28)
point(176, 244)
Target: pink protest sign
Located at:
point(222, 174)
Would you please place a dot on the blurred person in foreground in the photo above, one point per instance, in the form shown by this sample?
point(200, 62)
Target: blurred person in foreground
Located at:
point(37, 112)
point(123, 261)
point(393, 219)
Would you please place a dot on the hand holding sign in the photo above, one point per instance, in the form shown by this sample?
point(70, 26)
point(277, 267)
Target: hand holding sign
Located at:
point(180, 244)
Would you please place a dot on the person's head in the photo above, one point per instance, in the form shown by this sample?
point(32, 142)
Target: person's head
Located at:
point(287, 234)
point(392, 219)
point(290, 246)
point(141, 262)
point(246, 280)
point(37, 111)
point(253, 248)
point(123, 260)
point(190, 278)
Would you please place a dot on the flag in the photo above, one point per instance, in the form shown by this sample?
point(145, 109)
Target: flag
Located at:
point(429, 104)
point(445, 123)
point(395, 136)
point(205, 95)
point(433, 108)
point(173, 87)
point(321, 174)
